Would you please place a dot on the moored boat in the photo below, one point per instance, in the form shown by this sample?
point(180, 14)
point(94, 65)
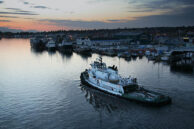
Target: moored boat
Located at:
point(82, 50)
point(165, 56)
point(51, 45)
point(126, 55)
point(66, 45)
point(108, 80)
point(38, 43)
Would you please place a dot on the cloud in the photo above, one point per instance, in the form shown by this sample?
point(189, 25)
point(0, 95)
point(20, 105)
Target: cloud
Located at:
point(6, 29)
point(1, 2)
point(29, 18)
point(18, 10)
point(34, 5)
point(97, 1)
point(114, 20)
point(26, 2)
point(9, 16)
point(19, 13)
point(159, 5)
point(80, 24)
point(15, 9)
point(40, 7)
point(174, 12)
point(117, 21)
point(158, 13)
point(182, 17)
point(5, 21)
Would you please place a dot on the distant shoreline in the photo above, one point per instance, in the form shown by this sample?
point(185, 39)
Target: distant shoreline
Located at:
point(94, 30)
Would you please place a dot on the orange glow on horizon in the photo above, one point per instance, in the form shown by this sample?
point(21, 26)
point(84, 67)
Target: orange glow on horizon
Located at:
point(26, 25)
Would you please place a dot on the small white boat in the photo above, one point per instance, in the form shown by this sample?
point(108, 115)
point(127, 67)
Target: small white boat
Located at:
point(83, 49)
point(189, 55)
point(147, 53)
point(124, 55)
point(165, 57)
point(51, 44)
point(108, 80)
point(66, 45)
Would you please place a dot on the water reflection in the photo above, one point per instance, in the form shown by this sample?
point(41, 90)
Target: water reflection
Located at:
point(36, 51)
point(84, 56)
point(66, 55)
point(128, 59)
point(37, 90)
point(51, 52)
point(182, 68)
point(106, 102)
point(100, 100)
point(186, 67)
point(134, 58)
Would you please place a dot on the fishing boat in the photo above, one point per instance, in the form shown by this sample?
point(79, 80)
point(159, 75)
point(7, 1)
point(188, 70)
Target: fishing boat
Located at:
point(107, 79)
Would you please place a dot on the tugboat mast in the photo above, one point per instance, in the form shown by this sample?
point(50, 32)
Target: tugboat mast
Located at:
point(100, 60)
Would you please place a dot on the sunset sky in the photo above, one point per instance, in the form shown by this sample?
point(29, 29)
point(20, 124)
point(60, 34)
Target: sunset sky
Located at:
point(45, 15)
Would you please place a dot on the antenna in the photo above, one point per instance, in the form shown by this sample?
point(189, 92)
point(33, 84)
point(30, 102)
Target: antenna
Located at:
point(100, 60)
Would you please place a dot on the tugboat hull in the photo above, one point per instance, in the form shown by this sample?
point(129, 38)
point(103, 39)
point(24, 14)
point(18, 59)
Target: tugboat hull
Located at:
point(142, 95)
point(85, 81)
point(139, 95)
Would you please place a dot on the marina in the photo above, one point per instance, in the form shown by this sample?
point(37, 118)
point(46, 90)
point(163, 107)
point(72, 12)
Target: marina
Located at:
point(43, 89)
point(125, 44)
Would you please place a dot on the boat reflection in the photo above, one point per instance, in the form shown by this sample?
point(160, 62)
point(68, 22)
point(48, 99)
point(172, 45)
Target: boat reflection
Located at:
point(37, 51)
point(105, 102)
point(128, 59)
point(84, 56)
point(66, 55)
point(51, 52)
point(182, 68)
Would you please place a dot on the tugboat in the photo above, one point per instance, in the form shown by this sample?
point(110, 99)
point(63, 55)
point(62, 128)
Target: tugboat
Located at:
point(108, 80)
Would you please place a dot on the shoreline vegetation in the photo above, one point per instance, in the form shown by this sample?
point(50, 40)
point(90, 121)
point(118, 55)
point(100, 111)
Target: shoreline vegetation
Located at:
point(170, 31)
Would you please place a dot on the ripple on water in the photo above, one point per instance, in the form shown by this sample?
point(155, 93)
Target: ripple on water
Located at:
point(41, 90)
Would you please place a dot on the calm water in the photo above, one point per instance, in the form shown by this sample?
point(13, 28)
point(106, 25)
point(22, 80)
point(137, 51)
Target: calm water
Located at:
point(41, 90)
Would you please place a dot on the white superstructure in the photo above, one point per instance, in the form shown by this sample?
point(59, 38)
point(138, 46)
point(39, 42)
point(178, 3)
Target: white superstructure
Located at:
point(108, 79)
point(84, 42)
point(165, 56)
point(51, 44)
